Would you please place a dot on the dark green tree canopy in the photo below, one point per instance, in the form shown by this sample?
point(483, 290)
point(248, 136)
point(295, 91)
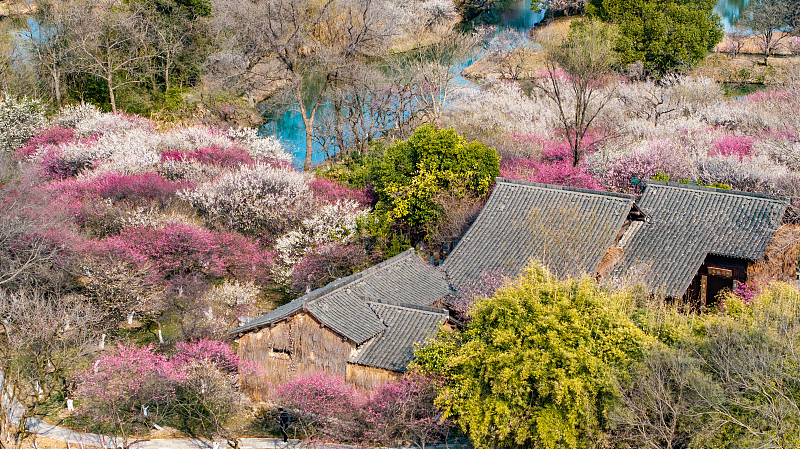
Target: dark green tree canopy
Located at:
point(664, 34)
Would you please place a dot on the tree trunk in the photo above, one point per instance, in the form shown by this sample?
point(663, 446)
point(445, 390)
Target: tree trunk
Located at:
point(309, 125)
point(57, 86)
point(166, 73)
point(113, 100)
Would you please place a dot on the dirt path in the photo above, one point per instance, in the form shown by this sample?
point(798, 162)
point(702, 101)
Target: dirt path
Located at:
point(76, 440)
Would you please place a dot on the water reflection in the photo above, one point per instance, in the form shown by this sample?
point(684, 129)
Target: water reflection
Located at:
point(729, 11)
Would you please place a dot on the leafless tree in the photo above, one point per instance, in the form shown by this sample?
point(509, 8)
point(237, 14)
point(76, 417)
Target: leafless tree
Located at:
point(767, 19)
point(435, 68)
point(577, 78)
point(29, 254)
point(312, 47)
point(115, 42)
point(651, 100)
point(49, 39)
point(371, 103)
point(43, 339)
point(660, 405)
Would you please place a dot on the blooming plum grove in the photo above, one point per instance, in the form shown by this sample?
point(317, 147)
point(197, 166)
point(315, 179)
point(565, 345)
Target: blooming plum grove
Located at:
point(681, 128)
point(174, 233)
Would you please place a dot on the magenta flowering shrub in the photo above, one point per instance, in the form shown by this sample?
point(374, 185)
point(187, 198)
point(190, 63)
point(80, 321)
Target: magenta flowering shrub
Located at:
point(113, 392)
point(129, 388)
point(556, 152)
point(746, 292)
point(331, 191)
point(118, 187)
point(212, 155)
point(324, 405)
point(558, 172)
point(629, 171)
point(404, 410)
point(326, 263)
point(740, 146)
point(219, 353)
point(52, 136)
point(177, 250)
point(327, 407)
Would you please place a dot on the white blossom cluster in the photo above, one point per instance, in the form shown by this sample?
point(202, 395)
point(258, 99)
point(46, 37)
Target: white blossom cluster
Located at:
point(190, 138)
point(19, 120)
point(105, 123)
point(255, 199)
point(755, 174)
point(500, 113)
point(230, 297)
point(332, 223)
point(127, 152)
point(259, 147)
point(70, 115)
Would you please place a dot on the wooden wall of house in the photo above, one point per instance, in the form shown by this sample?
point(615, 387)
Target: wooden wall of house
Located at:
point(369, 378)
point(780, 259)
point(290, 349)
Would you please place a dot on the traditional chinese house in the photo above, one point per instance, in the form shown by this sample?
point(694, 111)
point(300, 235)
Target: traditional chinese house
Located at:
point(698, 241)
point(569, 230)
point(362, 327)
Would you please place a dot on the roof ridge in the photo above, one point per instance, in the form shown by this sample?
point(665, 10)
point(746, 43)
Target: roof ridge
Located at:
point(500, 179)
point(716, 190)
point(407, 305)
point(341, 283)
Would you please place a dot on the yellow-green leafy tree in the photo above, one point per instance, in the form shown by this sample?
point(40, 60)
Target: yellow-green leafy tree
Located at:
point(432, 160)
point(538, 365)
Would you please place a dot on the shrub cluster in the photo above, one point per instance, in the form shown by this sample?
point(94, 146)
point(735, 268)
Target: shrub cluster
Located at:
point(327, 408)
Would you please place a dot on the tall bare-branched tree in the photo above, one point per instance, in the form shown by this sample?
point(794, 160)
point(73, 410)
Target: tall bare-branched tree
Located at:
point(769, 20)
point(311, 45)
point(116, 42)
point(577, 78)
point(50, 41)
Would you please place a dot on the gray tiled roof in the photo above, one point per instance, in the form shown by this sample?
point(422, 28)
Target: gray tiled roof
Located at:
point(342, 304)
point(406, 324)
point(686, 223)
point(568, 229)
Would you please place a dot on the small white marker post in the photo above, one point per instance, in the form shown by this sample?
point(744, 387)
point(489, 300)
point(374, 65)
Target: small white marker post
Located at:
point(70, 405)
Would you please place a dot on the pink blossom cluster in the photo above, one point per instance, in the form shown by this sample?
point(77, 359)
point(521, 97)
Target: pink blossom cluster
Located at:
point(740, 146)
point(746, 292)
point(52, 136)
point(117, 187)
point(331, 191)
point(212, 155)
point(558, 172)
point(326, 263)
point(176, 249)
point(402, 410)
point(122, 383)
point(217, 352)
